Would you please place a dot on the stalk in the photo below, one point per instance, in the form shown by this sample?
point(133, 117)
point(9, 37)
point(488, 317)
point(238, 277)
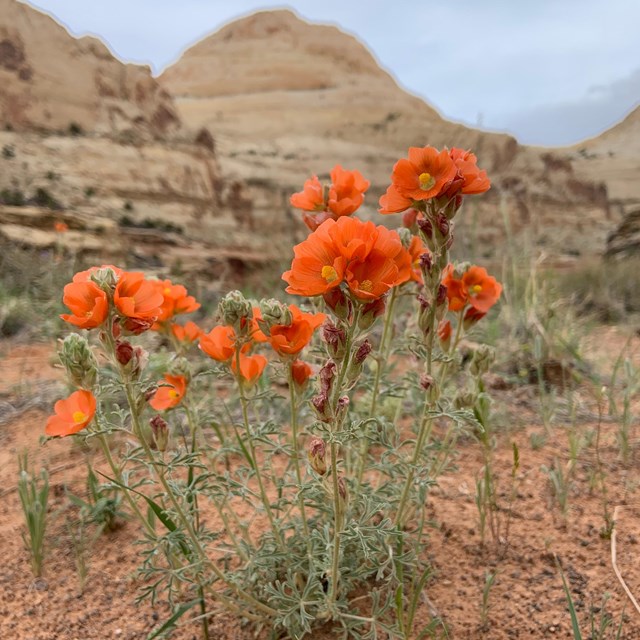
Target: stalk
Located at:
point(296, 457)
point(247, 426)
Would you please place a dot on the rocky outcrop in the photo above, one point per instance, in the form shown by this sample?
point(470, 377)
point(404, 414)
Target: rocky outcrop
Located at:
point(287, 99)
point(624, 242)
point(99, 145)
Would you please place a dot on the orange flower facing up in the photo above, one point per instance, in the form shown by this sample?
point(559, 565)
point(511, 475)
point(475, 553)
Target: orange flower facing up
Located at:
point(475, 181)
point(251, 367)
point(318, 266)
point(475, 287)
point(369, 259)
point(72, 414)
point(170, 394)
point(190, 332)
point(60, 226)
point(421, 176)
point(342, 197)
point(289, 340)
point(176, 300)
point(138, 298)
point(88, 304)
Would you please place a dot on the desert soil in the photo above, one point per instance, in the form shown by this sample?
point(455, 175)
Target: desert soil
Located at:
point(526, 600)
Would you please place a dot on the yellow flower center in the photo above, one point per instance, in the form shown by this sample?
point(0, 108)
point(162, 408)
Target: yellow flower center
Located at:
point(79, 416)
point(426, 181)
point(366, 285)
point(476, 288)
point(329, 274)
point(173, 394)
point(166, 291)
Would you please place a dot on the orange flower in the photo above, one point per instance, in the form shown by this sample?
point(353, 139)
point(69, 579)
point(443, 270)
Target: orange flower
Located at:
point(416, 251)
point(176, 300)
point(170, 394)
point(72, 414)
point(474, 180)
point(444, 333)
point(290, 339)
point(456, 292)
point(300, 372)
point(88, 304)
point(251, 367)
point(189, 333)
point(346, 192)
point(370, 259)
point(483, 290)
point(387, 265)
point(476, 287)
point(318, 265)
point(137, 298)
point(219, 343)
point(311, 198)
point(422, 176)
point(60, 227)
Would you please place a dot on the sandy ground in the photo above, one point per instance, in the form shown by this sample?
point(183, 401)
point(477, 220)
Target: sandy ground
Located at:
point(526, 600)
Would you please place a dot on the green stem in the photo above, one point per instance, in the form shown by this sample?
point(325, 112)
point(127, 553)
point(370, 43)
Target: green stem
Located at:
point(127, 494)
point(383, 356)
point(180, 512)
point(247, 426)
point(296, 457)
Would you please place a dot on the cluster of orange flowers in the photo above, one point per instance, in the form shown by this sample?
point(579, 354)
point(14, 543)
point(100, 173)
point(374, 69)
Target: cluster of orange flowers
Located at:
point(342, 197)
point(428, 173)
point(369, 259)
point(344, 259)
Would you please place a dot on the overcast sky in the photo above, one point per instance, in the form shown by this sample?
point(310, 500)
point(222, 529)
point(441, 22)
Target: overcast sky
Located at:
point(551, 72)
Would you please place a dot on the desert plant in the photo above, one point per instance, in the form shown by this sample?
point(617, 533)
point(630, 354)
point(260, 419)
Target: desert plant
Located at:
point(341, 491)
point(34, 496)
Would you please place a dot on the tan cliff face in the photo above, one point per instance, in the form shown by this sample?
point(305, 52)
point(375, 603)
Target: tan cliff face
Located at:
point(98, 144)
point(195, 168)
point(286, 99)
point(53, 82)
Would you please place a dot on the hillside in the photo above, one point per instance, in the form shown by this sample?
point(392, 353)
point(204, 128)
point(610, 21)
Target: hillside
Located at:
point(99, 145)
point(286, 99)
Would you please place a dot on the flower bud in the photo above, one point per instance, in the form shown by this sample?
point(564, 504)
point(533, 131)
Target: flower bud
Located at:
point(343, 408)
point(336, 340)
point(471, 316)
point(317, 454)
point(442, 303)
point(234, 310)
point(429, 384)
point(274, 313)
point(77, 358)
point(405, 237)
point(355, 368)
point(338, 302)
point(409, 218)
point(424, 315)
point(370, 312)
point(321, 404)
point(136, 326)
point(443, 226)
point(160, 431)
point(124, 352)
point(464, 400)
point(343, 491)
point(105, 278)
point(483, 358)
point(444, 334)
point(300, 372)
point(180, 367)
point(327, 375)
